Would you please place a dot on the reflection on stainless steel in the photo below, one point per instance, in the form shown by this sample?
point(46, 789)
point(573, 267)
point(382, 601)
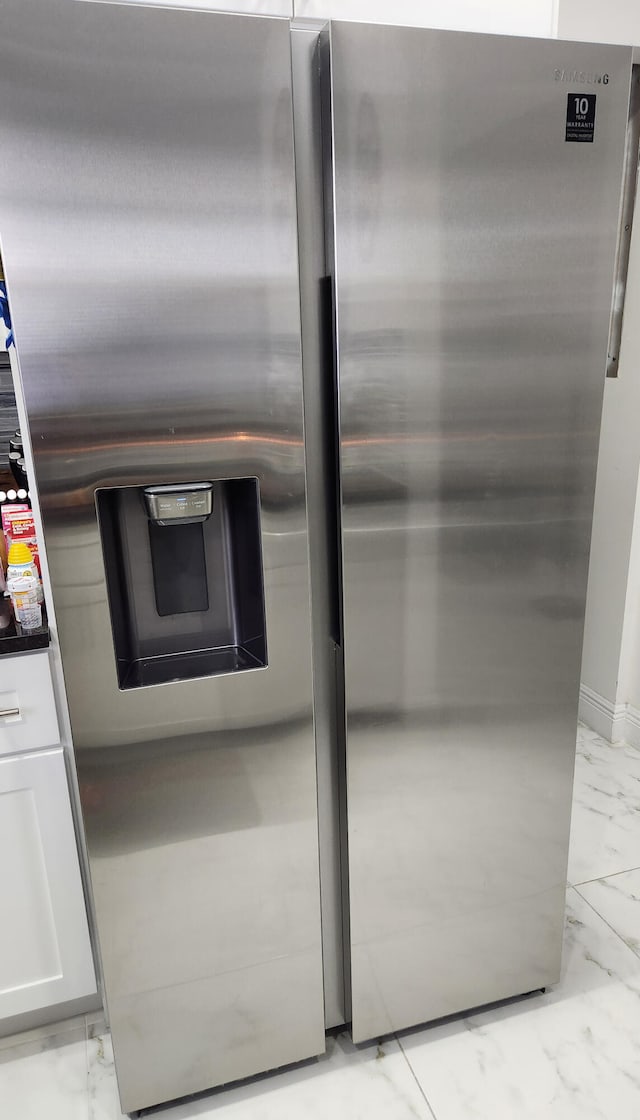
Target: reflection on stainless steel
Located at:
point(474, 251)
point(148, 223)
point(625, 225)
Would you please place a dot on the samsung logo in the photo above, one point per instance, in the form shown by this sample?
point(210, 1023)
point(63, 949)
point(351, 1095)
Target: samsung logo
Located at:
point(589, 79)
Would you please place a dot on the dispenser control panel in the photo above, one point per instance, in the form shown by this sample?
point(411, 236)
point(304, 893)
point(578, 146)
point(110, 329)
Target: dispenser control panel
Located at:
point(168, 505)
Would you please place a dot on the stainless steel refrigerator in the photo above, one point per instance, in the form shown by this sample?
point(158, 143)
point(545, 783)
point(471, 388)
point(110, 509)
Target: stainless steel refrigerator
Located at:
point(311, 318)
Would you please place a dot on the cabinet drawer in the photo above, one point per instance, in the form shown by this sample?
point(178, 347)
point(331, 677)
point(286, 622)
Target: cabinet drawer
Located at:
point(28, 719)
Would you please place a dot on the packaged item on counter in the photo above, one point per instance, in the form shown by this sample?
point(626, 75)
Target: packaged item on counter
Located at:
point(3, 564)
point(24, 596)
point(11, 509)
point(18, 525)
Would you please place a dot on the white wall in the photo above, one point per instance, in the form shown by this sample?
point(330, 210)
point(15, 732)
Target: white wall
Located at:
point(629, 674)
point(600, 21)
point(611, 594)
point(507, 17)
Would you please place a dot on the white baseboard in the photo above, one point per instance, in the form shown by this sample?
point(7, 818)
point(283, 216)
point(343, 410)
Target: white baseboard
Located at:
point(618, 723)
point(632, 727)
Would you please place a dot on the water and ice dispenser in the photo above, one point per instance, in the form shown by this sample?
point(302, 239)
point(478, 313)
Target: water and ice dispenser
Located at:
point(183, 566)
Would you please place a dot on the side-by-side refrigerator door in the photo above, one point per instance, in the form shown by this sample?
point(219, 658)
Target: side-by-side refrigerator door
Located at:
point(148, 226)
point(476, 188)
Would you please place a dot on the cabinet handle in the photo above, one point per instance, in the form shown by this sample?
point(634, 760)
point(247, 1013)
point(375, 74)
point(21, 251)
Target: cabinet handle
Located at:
point(5, 713)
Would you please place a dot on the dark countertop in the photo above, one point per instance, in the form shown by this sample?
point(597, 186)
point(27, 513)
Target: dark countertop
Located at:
point(13, 639)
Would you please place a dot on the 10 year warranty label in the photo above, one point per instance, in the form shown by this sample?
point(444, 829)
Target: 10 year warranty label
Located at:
point(581, 118)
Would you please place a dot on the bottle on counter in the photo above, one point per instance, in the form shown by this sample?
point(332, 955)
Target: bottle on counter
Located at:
point(24, 596)
point(23, 585)
point(20, 561)
point(10, 496)
point(18, 470)
point(17, 467)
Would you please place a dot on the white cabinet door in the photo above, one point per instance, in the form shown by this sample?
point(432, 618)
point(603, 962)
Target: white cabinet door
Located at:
point(28, 719)
point(45, 954)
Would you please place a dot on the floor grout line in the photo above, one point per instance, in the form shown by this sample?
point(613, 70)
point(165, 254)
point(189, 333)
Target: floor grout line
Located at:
point(86, 1062)
point(599, 878)
point(602, 918)
point(415, 1076)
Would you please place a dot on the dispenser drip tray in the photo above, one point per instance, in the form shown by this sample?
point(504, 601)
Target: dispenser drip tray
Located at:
point(187, 666)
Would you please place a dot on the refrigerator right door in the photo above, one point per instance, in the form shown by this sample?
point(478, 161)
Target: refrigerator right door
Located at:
point(476, 189)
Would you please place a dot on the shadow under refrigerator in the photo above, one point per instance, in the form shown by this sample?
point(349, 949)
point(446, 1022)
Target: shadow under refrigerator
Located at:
point(311, 319)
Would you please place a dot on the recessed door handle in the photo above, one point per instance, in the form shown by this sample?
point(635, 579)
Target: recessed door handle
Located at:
point(6, 713)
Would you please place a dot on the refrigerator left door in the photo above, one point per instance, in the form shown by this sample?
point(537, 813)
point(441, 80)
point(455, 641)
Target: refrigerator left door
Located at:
point(148, 231)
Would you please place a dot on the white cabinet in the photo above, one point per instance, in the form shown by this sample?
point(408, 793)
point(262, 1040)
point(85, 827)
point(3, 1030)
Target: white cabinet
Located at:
point(45, 953)
point(28, 719)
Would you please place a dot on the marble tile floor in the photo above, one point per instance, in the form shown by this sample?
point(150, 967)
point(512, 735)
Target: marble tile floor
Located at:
point(572, 1053)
